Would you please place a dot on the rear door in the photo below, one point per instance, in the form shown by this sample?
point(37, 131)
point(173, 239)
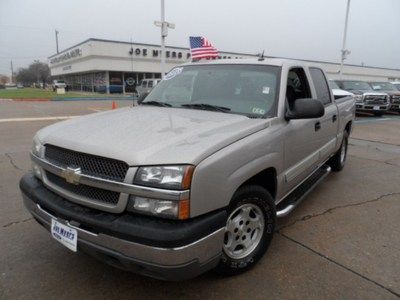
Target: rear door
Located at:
point(329, 123)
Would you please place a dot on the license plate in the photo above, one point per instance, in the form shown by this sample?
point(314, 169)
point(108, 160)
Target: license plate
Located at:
point(64, 234)
point(376, 107)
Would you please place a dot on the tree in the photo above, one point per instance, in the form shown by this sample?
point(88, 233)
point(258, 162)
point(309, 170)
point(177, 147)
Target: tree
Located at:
point(4, 79)
point(37, 72)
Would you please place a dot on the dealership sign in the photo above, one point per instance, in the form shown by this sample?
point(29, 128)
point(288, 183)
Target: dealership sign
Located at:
point(66, 56)
point(157, 53)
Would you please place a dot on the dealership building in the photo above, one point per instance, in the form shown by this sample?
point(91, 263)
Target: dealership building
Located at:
point(97, 65)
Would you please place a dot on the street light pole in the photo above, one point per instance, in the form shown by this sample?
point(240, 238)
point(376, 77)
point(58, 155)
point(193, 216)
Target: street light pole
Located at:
point(163, 36)
point(164, 32)
point(12, 72)
point(57, 41)
point(344, 51)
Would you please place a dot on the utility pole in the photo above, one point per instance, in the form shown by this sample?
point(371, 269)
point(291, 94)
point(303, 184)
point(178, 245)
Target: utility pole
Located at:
point(164, 32)
point(344, 51)
point(12, 72)
point(57, 41)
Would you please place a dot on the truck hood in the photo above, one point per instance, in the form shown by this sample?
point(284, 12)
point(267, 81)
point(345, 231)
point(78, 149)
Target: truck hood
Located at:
point(391, 93)
point(146, 135)
point(364, 92)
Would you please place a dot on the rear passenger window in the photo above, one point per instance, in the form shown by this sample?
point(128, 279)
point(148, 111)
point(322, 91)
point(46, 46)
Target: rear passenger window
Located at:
point(321, 85)
point(150, 84)
point(144, 83)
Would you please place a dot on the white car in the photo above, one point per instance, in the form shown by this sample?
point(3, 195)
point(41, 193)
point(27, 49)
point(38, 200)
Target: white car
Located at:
point(337, 91)
point(146, 85)
point(396, 84)
point(58, 84)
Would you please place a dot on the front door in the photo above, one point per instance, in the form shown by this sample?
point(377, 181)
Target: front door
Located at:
point(301, 145)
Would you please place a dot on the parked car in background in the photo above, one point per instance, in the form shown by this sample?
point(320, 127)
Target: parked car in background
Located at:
point(391, 90)
point(57, 84)
point(146, 85)
point(195, 176)
point(396, 84)
point(367, 100)
point(338, 92)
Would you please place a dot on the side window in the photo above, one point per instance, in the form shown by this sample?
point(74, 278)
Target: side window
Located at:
point(144, 83)
point(150, 84)
point(321, 85)
point(297, 86)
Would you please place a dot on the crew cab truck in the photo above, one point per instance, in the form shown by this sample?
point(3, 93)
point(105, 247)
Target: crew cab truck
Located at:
point(194, 177)
point(391, 90)
point(367, 100)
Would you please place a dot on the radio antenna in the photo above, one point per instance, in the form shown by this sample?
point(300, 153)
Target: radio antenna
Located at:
point(261, 56)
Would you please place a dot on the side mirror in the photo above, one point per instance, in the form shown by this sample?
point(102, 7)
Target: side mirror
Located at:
point(305, 108)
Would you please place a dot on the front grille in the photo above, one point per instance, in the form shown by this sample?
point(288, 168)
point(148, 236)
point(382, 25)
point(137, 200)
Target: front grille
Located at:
point(396, 99)
point(92, 165)
point(82, 190)
point(372, 99)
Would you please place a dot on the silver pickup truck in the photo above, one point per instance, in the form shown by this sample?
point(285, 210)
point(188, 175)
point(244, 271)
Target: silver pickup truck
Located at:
point(194, 177)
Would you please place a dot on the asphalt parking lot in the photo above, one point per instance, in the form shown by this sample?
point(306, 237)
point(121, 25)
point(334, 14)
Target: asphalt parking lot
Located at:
point(343, 241)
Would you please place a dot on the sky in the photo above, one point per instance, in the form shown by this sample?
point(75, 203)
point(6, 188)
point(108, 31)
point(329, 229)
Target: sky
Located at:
point(303, 29)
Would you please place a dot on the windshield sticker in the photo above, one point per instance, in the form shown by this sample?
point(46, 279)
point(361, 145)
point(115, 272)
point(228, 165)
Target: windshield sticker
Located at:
point(171, 74)
point(265, 90)
point(259, 111)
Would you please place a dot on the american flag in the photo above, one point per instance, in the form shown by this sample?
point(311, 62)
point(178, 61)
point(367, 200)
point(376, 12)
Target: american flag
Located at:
point(200, 47)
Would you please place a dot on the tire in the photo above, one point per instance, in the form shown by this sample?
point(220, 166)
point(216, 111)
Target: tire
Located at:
point(251, 221)
point(378, 114)
point(338, 161)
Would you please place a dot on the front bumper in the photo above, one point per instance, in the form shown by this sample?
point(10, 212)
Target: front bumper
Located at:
point(168, 250)
point(395, 107)
point(371, 107)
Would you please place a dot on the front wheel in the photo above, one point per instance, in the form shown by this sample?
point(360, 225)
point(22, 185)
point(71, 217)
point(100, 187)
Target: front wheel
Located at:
point(378, 114)
point(248, 231)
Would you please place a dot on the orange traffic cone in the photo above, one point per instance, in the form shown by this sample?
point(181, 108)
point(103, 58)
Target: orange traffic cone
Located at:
point(114, 105)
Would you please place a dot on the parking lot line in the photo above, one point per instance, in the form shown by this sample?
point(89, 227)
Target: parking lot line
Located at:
point(36, 119)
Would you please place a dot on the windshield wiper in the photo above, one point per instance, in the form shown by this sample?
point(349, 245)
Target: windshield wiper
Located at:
point(156, 103)
point(205, 106)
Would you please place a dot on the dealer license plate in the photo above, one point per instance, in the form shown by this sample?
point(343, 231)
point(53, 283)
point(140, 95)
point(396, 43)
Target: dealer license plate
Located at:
point(376, 107)
point(64, 234)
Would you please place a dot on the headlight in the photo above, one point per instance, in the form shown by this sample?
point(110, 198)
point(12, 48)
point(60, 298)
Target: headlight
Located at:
point(36, 147)
point(37, 171)
point(161, 208)
point(167, 177)
point(358, 98)
point(37, 151)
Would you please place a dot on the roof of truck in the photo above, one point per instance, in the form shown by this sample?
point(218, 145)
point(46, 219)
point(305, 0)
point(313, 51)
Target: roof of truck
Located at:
point(251, 61)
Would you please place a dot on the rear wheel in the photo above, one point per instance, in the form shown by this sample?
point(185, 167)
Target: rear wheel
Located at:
point(378, 113)
point(338, 161)
point(249, 229)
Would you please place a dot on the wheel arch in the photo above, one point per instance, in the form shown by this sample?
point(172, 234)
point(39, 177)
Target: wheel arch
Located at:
point(267, 178)
point(348, 127)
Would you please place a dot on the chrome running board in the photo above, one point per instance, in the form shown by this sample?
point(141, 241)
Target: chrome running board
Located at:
point(291, 201)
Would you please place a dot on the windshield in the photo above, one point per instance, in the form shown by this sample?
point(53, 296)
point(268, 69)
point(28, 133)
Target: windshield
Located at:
point(333, 85)
point(397, 85)
point(250, 90)
point(385, 86)
point(356, 85)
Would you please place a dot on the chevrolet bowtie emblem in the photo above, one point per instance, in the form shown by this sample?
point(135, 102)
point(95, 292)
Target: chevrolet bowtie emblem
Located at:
point(72, 175)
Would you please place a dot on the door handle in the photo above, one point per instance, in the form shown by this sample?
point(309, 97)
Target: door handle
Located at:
point(334, 118)
point(317, 126)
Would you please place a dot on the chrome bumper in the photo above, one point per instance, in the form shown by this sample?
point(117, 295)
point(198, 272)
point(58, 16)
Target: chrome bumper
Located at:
point(201, 250)
point(370, 107)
